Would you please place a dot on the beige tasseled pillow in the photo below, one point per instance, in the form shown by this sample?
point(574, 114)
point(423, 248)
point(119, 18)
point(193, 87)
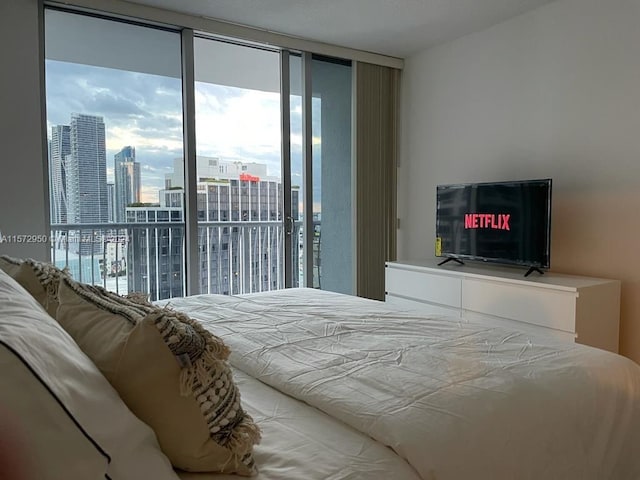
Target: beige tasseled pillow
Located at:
point(40, 279)
point(10, 265)
point(170, 371)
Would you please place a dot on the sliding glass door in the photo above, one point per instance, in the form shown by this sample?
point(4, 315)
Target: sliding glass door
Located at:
point(114, 123)
point(322, 171)
point(239, 179)
point(169, 168)
point(332, 170)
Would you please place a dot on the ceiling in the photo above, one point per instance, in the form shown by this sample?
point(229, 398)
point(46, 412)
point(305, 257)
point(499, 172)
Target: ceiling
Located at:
point(398, 28)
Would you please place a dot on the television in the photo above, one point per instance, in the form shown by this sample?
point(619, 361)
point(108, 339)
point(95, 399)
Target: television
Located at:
point(501, 222)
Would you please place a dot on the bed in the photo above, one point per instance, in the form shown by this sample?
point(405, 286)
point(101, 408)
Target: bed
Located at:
point(454, 400)
point(341, 388)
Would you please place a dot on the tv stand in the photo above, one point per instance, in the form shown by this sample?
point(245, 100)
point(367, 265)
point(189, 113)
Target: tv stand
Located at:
point(451, 259)
point(571, 308)
point(533, 269)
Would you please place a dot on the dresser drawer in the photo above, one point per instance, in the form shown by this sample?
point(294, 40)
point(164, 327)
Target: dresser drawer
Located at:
point(423, 286)
point(524, 327)
point(538, 306)
point(408, 305)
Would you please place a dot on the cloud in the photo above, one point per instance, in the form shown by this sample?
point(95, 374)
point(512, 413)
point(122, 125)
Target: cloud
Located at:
point(135, 106)
point(149, 194)
point(238, 124)
point(145, 111)
point(110, 105)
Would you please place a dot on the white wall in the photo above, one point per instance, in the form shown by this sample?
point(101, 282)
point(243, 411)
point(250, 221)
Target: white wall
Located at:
point(552, 93)
point(22, 185)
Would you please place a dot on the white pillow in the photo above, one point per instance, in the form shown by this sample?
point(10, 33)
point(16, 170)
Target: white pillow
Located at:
point(38, 437)
point(87, 396)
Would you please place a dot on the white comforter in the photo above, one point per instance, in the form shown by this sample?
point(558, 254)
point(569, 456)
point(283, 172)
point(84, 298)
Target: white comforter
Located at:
point(457, 401)
point(303, 443)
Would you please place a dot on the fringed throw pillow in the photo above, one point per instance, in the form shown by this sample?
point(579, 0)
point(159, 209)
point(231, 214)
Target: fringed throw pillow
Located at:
point(170, 371)
point(40, 279)
point(10, 265)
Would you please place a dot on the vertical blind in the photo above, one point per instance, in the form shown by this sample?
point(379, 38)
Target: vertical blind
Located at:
point(376, 104)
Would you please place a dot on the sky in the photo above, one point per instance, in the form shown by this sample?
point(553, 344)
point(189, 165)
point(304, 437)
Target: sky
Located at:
point(130, 75)
point(145, 111)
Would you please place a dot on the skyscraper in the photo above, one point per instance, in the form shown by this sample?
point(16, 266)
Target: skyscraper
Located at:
point(127, 181)
point(59, 148)
point(240, 234)
point(86, 171)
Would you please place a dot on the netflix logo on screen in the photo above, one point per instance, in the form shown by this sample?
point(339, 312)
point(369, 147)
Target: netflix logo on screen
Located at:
point(503, 222)
point(494, 221)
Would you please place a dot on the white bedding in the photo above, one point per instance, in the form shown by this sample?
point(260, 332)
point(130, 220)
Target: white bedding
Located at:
point(303, 443)
point(457, 401)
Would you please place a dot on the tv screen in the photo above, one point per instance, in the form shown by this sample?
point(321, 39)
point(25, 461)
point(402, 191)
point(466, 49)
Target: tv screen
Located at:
point(503, 222)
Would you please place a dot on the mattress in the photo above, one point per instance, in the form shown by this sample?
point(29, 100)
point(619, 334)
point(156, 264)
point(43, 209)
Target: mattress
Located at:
point(451, 399)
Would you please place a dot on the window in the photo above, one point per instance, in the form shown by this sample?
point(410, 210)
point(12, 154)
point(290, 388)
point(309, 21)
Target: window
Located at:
point(324, 200)
point(114, 122)
point(238, 123)
point(115, 117)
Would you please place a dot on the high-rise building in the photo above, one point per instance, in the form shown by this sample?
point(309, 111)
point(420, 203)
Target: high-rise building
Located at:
point(156, 252)
point(86, 171)
point(240, 239)
point(86, 182)
point(59, 149)
point(127, 181)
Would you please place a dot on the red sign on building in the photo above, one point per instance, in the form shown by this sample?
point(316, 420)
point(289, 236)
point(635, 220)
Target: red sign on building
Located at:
point(245, 177)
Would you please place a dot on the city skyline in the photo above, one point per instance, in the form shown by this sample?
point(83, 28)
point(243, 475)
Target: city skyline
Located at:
point(86, 134)
point(123, 184)
point(145, 111)
point(144, 256)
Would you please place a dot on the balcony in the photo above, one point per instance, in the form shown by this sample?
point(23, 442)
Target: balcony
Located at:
point(233, 257)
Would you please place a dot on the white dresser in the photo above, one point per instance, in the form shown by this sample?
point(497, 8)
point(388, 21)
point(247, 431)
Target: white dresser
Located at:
point(581, 309)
